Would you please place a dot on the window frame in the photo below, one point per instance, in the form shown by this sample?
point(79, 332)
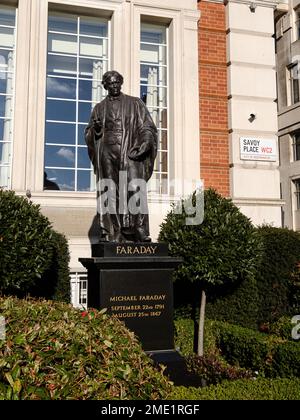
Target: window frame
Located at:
point(293, 88)
point(12, 95)
point(77, 146)
point(162, 189)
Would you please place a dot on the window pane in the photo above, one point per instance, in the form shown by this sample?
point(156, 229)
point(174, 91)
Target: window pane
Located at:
point(7, 37)
point(50, 184)
point(155, 54)
point(66, 44)
point(153, 184)
point(5, 129)
point(60, 133)
point(92, 69)
point(61, 157)
point(61, 110)
point(61, 88)
point(6, 59)
point(7, 16)
point(84, 111)
point(62, 66)
point(91, 90)
point(154, 96)
point(86, 181)
point(93, 27)
point(164, 161)
point(81, 134)
point(83, 158)
point(93, 47)
point(163, 139)
point(4, 176)
point(6, 83)
point(6, 103)
point(63, 23)
point(5, 153)
point(65, 179)
point(160, 117)
point(154, 75)
point(153, 34)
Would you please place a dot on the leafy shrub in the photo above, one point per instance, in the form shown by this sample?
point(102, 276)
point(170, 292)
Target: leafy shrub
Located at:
point(25, 243)
point(34, 259)
point(282, 328)
point(212, 369)
point(55, 282)
point(259, 389)
point(52, 351)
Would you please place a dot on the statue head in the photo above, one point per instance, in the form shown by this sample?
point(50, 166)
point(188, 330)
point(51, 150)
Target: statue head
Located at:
point(112, 82)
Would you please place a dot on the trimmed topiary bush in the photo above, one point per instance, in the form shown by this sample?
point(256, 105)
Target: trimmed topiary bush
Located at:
point(34, 259)
point(53, 351)
point(25, 243)
point(222, 250)
point(217, 254)
point(259, 389)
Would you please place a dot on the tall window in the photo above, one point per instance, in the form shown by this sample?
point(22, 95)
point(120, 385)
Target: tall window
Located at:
point(78, 57)
point(296, 145)
point(7, 69)
point(294, 83)
point(297, 23)
point(154, 92)
point(297, 193)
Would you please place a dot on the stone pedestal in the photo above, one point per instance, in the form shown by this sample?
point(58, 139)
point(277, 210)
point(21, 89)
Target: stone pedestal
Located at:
point(134, 283)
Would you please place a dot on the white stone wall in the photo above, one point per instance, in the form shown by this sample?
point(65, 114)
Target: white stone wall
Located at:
point(255, 185)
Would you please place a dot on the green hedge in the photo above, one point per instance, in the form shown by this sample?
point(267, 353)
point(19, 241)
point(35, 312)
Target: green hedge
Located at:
point(268, 354)
point(185, 331)
point(279, 275)
point(238, 305)
point(34, 258)
point(273, 293)
point(53, 351)
point(259, 389)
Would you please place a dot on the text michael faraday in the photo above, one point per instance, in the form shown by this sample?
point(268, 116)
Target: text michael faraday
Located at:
point(154, 409)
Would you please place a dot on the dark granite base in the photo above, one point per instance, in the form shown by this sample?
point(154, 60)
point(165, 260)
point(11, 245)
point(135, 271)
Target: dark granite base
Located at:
point(176, 368)
point(134, 283)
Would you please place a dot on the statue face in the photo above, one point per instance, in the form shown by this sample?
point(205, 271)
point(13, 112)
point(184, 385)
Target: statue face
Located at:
point(113, 85)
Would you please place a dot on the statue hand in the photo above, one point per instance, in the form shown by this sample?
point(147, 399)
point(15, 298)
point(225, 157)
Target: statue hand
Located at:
point(97, 126)
point(139, 153)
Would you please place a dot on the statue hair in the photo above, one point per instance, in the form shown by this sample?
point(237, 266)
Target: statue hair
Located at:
point(110, 74)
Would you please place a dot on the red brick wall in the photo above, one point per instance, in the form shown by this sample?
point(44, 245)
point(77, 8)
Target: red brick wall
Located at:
point(214, 138)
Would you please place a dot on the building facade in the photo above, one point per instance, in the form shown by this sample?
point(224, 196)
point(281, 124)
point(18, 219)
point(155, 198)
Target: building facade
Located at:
point(238, 112)
point(206, 71)
point(52, 58)
point(288, 81)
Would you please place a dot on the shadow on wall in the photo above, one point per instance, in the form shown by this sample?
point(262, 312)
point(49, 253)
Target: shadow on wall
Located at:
point(94, 230)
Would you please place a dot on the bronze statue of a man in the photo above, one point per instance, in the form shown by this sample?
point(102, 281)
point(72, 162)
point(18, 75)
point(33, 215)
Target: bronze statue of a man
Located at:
point(122, 145)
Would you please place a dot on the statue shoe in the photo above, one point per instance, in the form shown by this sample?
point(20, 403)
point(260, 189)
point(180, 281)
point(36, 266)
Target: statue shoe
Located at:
point(141, 236)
